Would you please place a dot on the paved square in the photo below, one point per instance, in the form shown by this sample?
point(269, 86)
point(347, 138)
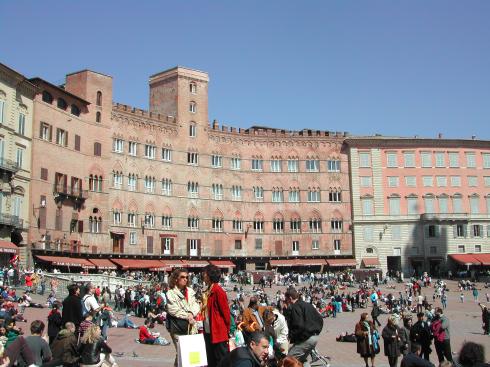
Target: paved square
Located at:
point(465, 319)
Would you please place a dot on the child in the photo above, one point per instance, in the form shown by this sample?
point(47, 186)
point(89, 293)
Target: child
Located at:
point(12, 332)
point(146, 336)
point(461, 297)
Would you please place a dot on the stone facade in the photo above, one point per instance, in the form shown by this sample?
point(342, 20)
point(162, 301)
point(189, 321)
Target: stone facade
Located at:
point(16, 115)
point(417, 200)
point(175, 185)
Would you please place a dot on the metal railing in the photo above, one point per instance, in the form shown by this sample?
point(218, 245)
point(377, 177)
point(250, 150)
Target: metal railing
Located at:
point(70, 191)
point(11, 220)
point(9, 165)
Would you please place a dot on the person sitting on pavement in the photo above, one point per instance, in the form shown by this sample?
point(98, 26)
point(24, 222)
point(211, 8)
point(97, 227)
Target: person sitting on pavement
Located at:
point(146, 336)
point(65, 347)
point(93, 349)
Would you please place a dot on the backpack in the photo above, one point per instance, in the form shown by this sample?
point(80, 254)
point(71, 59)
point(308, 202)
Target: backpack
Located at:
point(85, 310)
point(438, 331)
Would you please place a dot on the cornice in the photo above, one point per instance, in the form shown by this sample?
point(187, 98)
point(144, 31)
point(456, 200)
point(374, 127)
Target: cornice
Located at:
point(147, 124)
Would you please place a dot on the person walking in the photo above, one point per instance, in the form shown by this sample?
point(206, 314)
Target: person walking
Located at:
point(72, 307)
point(182, 307)
point(485, 316)
point(375, 312)
point(305, 325)
point(367, 339)
point(475, 294)
point(442, 336)
point(406, 344)
point(391, 338)
point(54, 322)
point(421, 334)
point(444, 300)
point(217, 317)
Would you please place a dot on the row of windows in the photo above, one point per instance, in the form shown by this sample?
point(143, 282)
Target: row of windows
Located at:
point(61, 138)
point(446, 205)
point(216, 161)
point(95, 182)
point(237, 225)
point(427, 160)
point(60, 103)
point(216, 191)
point(19, 153)
point(427, 181)
point(21, 120)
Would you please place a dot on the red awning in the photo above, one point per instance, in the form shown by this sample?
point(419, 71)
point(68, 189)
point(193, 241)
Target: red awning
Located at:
point(297, 262)
point(370, 262)
point(341, 262)
point(139, 264)
point(194, 263)
point(103, 263)
point(173, 263)
point(224, 264)
point(67, 261)
point(9, 247)
point(483, 258)
point(465, 259)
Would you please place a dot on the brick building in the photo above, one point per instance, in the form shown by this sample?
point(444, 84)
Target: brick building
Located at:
point(415, 201)
point(168, 183)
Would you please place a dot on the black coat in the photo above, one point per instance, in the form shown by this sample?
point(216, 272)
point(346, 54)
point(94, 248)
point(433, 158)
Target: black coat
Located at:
point(391, 337)
point(72, 310)
point(90, 353)
point(54, 323)
point(413, 360)
point(303, 321)
point(420, 333)
point(240, 357)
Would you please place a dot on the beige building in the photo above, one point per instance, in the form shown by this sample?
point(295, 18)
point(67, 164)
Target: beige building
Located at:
point(16, 114)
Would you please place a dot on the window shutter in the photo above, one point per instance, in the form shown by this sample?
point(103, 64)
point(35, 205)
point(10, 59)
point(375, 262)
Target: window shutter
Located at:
point(80, 226)
point(44, 173)
point(188, 247)
point(171, 246)
point(472, 233)
point(465, 230)
point(41, 129)
point(481, 230)
point(455, 230)
point(437, 230)
point(198, 247)
point(426, 231)
point(77, 142)
point(66, 138)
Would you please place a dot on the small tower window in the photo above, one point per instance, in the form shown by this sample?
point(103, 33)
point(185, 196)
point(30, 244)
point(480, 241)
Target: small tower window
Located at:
point(192, 107)
point(193, 88)
point(97, 117)
point(62, 104)
point(98, 102)
point(47, 97)
point(75, 110)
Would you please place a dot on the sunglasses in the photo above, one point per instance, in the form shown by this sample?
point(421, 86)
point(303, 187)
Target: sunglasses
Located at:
point(184, 277)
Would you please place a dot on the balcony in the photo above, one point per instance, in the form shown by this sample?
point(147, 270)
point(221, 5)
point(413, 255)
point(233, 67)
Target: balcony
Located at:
point(8, 165)
point(439, 217)
point(62, 192)
point(11, 220)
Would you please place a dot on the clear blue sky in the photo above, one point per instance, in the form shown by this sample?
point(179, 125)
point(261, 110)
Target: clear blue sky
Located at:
point(391, 67)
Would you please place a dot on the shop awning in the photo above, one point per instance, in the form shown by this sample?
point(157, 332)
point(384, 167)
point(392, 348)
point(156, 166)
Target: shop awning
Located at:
point(139, 264)
point(224, 264)
point(8, 247)
point(173, 263)
point(67, 261)
point(341, 262)
point(465, 259)
point(194, 263)
point(297, 262)
point(483, 258)
point(370, 262)
point(103, 264)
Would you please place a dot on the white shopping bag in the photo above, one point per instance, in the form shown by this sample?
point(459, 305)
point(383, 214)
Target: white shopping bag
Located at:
point(191, 350)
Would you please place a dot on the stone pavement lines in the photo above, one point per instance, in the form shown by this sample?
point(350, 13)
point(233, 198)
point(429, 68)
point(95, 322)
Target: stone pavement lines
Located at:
point(465, 319)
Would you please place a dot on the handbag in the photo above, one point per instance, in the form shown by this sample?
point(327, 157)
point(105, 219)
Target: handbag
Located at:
point(177, 326)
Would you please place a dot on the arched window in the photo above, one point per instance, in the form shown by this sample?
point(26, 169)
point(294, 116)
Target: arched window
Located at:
point(75, 110)
point(98, 102)
point(193, 87)
point(192, 107)
point(98, 117)
point(47, 97)
point(97, 149)
point(61, 103)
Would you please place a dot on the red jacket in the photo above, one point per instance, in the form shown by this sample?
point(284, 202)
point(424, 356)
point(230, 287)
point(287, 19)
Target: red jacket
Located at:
point(145, 334)
point(219, 314)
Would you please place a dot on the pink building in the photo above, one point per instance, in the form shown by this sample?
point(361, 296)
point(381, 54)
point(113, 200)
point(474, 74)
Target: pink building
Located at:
point(417, 200)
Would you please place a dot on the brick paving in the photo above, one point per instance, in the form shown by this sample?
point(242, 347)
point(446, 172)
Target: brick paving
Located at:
point(465, 321)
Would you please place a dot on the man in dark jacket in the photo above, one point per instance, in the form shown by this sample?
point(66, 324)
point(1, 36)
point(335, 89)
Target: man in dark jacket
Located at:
point(305, 325)
point(420, 333)
point(65, 348)
point(253, 355)
point(72, 306)
point(375, 312)
point(413, 359)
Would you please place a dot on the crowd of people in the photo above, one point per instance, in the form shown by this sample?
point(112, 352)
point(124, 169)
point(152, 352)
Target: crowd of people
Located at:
point(254, 328)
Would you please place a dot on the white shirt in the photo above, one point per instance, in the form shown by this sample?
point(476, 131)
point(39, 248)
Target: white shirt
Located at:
point(90, 302)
